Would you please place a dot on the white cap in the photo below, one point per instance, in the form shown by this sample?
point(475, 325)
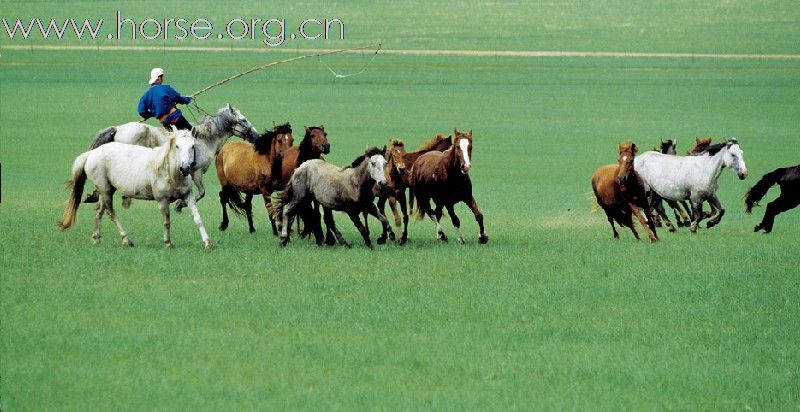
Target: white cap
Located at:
point(154, 74)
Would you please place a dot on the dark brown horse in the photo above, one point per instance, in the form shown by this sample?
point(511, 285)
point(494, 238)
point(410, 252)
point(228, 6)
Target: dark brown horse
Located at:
point(444, 178)
point(398, 178)
point(313, 146)
point(788, 178)
point(249, 168)
point(621, 194)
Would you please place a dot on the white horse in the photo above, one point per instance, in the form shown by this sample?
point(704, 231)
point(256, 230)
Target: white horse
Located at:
point(160, 174)
point(691, 177)
point(211, 133)
point(348, 189)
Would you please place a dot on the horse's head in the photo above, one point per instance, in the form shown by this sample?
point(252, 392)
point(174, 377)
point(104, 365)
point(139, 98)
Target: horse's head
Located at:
point(734, 158)
point(185, 150)
point(668, 147)
point(318, 139)
point(395, 156)
point(627, 152)
point(375, 165)
point(283, 137)
point(462, 145)
point(239, 124)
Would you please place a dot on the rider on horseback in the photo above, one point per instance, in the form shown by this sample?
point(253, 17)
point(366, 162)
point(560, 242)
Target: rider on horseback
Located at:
point(159, 101)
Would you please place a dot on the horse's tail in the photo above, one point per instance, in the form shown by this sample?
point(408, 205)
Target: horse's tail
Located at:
point(104, 136)
point(75, 184)
point(234, 200)
point(419, 212)
point(758, 191)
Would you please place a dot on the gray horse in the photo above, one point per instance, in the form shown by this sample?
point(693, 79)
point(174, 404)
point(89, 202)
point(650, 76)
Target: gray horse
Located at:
point(348, 189)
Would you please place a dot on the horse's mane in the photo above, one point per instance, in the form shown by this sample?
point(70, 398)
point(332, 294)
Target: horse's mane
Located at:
point(304, 147)
point(430, 144)
point(666, 145)
point(282, 128)
point(167, 159)
point(371, 151)
point(715, 148)
point(396, 143)
point(264, 142)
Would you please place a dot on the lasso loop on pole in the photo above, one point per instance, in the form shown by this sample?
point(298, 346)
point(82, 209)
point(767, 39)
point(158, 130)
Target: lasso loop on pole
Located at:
point(264, 66)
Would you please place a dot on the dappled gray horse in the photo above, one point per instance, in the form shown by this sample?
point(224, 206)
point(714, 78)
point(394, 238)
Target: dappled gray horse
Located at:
point(348, 189)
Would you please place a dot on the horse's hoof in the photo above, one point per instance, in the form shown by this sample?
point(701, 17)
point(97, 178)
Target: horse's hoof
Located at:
point(283, 241)
point(483, 239)
point(127, 242)
point(223, 226)
point(92, 198)
point(442, 237)
point(392, 237)
point(672, 229)
point(95, 240)
point(757, 228)
point(209, 245)
point(169, 245)
point(380, 240)
point(252, 230)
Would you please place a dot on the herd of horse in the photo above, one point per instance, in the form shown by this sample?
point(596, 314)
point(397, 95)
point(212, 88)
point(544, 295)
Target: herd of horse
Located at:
point(144, 162)
point(639, 185)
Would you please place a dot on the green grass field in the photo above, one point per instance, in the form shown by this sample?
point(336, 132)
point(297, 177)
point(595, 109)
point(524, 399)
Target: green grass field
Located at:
point(552, 313)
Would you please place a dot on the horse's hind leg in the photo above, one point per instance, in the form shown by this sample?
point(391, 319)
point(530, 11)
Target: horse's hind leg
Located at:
point(456, 223)
point(332, 229)
point(781, 204)
point(482, 236)
point(437, 218)
point(107, 199)
point(610, 217)
point(361, 228)
point(659, 208)
point(713, 200)
point(98, 217)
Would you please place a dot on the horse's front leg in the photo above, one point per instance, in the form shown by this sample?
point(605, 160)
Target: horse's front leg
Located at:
point(387, 228)
point(198, 221)
point(482, 237)
point(197, 178)
point(647, 224)
point(713, 200)
point(361, 228)
point(697, 213)
point(404, 208)
point(658, 206)
point(163, 206)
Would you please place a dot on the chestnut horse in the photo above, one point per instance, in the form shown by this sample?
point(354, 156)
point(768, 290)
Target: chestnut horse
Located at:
point(397, 178)
point(444, 178)
point(621, 194)
point(250, 168)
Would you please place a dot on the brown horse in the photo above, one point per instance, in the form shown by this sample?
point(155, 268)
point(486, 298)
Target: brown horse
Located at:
point(397, 178)
point(621, 194)
point(313, 146)
point(444, 178)
point(250, 168)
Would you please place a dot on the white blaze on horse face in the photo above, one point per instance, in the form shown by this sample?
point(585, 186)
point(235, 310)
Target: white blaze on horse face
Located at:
point(465, 165)
point(375, 167)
